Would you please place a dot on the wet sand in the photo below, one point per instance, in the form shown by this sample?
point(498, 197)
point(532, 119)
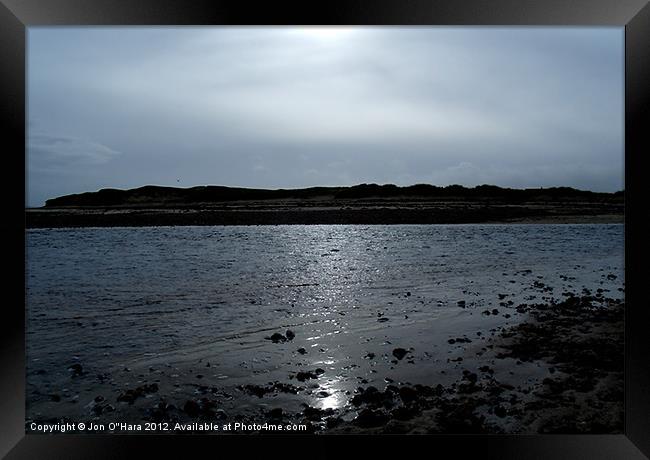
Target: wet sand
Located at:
point(559, 369)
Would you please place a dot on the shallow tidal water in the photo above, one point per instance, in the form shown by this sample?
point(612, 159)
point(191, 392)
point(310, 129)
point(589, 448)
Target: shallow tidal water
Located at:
point(189, 307)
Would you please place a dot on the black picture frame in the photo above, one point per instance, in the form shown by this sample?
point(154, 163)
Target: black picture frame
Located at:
point(17, 15)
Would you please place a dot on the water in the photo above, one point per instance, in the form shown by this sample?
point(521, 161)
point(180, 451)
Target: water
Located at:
point(173, 299)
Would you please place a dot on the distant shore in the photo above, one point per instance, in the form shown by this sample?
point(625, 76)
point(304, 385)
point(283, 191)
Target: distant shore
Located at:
point(364, 204)
point(353, 213)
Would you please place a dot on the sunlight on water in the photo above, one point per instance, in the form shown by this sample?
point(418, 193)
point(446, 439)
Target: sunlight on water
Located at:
point(336, 394)
point(333, 401)
point(198, 295)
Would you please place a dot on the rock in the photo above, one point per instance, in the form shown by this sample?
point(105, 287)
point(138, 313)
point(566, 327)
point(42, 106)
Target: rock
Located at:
point(331, 422)
point(302, 351)
point(287, 388)
point(290, 335)
point(256, 390)
point(382, 320)
point(306, 375)
point(369, 418)
point(404, 413)
point(408, 394)
point(461, 303)
point(470, 376)
point(191, 408)
point(97, 409)
point(370, 356)
point(424, 390)
point(373, 396)
point(277, 337)
point(395, 426)
point(152, 388)
point(160, 412)
point(260, 391)
point(399, 353)
point(129, 396)
point(315, 414)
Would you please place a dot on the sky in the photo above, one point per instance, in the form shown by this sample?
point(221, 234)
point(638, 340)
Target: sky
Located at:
point(291, 107)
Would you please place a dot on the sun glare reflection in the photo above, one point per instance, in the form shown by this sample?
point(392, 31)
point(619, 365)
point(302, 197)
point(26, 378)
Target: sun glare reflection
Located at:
point(331, 281)
point(335, 398)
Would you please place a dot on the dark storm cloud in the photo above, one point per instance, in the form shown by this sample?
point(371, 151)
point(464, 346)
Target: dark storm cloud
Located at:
point(292, 107)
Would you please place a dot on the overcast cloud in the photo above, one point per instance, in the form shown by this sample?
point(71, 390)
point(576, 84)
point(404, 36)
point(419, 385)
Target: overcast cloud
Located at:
point(296, 107)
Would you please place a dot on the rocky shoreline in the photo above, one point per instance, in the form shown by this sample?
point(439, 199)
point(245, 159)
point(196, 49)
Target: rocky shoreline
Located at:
point(579, 341)
point(574, 347)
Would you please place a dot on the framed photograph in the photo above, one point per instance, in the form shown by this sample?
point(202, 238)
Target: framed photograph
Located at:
point(307, 230)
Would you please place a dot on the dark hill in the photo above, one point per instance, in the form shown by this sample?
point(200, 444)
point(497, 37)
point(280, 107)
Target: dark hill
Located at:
point(151, 195)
